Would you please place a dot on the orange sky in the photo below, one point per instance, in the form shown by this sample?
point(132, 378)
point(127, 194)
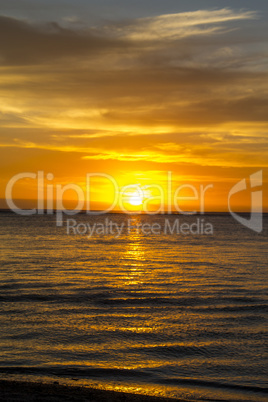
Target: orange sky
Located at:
point(135, 100)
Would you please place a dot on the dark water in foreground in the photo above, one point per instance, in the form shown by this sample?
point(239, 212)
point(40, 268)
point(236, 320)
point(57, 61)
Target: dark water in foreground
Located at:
point(168, 314)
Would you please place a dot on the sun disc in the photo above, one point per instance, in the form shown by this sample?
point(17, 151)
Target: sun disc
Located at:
point(135, 200)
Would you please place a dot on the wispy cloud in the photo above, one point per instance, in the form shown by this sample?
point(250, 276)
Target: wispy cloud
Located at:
point(180, 25)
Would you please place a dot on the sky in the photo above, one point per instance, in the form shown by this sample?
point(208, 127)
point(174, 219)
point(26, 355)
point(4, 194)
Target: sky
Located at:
point(134, 90)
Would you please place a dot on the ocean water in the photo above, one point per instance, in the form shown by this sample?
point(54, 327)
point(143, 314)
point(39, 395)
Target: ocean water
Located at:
point(181, 315)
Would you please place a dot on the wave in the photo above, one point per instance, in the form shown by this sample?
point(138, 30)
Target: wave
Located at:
point(127, 374)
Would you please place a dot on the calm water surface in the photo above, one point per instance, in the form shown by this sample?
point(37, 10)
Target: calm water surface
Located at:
point(167, 314)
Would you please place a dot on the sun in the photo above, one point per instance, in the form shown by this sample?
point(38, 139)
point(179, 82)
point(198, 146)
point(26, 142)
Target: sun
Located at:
point(135, 199)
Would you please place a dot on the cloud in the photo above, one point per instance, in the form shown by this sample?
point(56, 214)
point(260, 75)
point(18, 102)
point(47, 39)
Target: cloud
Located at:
point(27, 44)
point(180, 25)
point(30, 44)
point(147, 90)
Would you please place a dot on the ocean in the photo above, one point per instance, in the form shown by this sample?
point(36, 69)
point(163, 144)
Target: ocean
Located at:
point(158, 310)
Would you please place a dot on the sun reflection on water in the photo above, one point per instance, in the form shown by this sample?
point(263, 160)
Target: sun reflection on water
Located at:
point(134, 255)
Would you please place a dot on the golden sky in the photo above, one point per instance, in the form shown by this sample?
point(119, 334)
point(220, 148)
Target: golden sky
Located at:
point(134, 98)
